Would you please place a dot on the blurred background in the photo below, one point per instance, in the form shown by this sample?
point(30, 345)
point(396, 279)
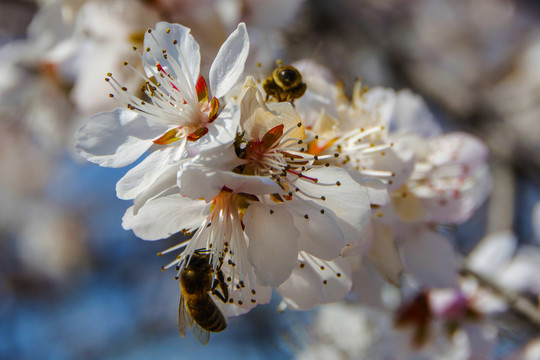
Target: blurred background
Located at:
point(75, 285)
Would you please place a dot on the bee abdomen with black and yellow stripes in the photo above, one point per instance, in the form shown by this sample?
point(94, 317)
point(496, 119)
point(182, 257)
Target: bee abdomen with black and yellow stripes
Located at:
point(207, 315)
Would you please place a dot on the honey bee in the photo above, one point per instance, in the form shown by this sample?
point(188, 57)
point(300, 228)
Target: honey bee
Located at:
point(285, 84)
point(197, 309)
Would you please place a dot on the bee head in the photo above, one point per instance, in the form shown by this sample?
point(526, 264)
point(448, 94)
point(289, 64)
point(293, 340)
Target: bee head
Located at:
point(287, 77)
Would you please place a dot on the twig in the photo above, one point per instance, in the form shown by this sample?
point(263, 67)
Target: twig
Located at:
point(515, 300)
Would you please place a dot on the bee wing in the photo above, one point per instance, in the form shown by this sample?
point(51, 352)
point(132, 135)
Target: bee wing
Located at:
point(184, 319)
point(202, 335)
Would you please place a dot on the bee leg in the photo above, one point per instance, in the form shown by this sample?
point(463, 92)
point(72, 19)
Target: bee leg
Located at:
point(221, 280)
point(220, 296)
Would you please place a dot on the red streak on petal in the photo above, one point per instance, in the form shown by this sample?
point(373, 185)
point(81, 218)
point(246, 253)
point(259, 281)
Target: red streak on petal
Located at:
point(202, 90)
point(272, 136)
point(214, 107)
point(168, 137)
point(160, 68)
point(197, 134)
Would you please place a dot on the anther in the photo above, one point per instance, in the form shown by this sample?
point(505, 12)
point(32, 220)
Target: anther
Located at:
point(168, 30)
point(306, 216)
point(338, 183)
point(322, 211)
point(323, 198)
point(271, 211)
point(175, 42)
point(325, 282)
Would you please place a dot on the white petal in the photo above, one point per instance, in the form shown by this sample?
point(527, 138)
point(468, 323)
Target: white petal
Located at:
point(431, 259)
point(186, 50)
point(273, 242)
point(399, 160)
point(458, 148)
point(320, 234)
point(457, 204)
point(377, 191)
point(349, 201)
point(222, 130)
point(368, 285)
point(317, 282)
point(383, 253)
point(116, 138)
point(521, 274)
point(244, 298)
point(167, 180)
point(411, 114)
point(200, 183)
point(140, 177)
point(492, 252)
point(229, 63)
point(164, 216)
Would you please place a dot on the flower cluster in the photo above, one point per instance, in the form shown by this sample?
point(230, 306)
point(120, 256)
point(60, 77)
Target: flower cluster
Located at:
point(285, 184)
